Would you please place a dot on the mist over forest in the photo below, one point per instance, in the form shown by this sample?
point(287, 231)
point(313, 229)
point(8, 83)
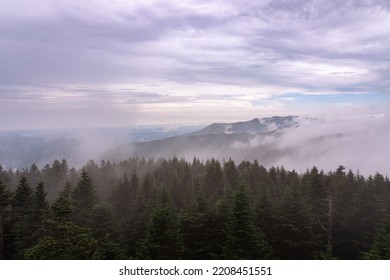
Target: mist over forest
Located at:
point(356, 142)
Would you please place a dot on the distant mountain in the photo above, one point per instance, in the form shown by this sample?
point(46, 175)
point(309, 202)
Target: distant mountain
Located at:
point(22, 148)
point(254, 126)
point(241, 140)
point(21, 151)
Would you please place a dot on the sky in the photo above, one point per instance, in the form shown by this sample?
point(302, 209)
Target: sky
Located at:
point(95, 63)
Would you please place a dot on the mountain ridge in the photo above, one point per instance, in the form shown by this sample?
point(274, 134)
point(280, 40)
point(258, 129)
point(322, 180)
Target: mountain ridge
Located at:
point(253, 126)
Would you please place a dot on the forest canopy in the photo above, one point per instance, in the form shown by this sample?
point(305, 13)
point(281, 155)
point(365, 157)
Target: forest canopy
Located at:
point(174, 209)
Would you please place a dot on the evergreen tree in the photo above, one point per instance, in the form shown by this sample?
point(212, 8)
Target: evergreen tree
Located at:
point(265, 211)
point(62, 209)
point(105, 231)
point(63, 239)
point(39, 198)
point(142, 209)
point(121, 198)
point(213, 181)
point(258, 177)
point(5, 197)
point(294, 237)
point(231, 176)
point(22, 209)
point(162, 239)
point(197, 228)
point(380, 249)
point(84, 194)
point(83, 198)
point(22, 200)
point(244, 240)
point(40, 208)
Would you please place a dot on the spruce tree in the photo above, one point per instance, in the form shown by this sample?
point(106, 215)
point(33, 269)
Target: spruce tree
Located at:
point(121, 198)
point(162, 240)
point(83, 198)
point(293, 232)
point(244, 241)
point(40, 208)
point(63, 239)
point(105, 231)
point(22, 200)
point(5, 196)
point(213, 181)
point(197, 228)
point(380, 249)
point(143, 206)
point(231, 176)
point(22, 209)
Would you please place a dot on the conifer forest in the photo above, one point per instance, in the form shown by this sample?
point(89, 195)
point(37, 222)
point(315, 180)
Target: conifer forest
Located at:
point(177, 209)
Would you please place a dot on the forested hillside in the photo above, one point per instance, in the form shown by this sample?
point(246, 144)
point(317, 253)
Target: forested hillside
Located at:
point(175, 209)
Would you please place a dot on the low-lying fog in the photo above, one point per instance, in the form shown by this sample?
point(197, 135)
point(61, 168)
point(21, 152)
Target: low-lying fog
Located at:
point(358, 143)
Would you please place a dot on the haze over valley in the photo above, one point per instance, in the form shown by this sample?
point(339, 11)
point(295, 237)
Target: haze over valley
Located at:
point(358, 143)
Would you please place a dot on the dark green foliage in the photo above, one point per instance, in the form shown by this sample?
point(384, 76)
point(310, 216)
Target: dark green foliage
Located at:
point(143, 205)
point(293, 231)
point(123, 197)
point(162, 240)
point(39, 198)
point(62, 209)
point(199, 231)
point(106, 232)
point(381, 248)
point(21, 228)
point(172, 209)
point(22, 199)
point(63, 241)
point(231, 176)
point(83, 199)
point(84, 196)
point(213, 180)
point(5, 199)
point(244, 241)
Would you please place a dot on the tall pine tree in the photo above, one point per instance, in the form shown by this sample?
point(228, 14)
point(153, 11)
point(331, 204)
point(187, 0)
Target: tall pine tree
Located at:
point(162, 240)
point(244, 241)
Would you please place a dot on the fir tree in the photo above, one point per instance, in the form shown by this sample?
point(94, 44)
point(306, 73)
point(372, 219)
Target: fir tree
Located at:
point(5, 199)
point(162, 239)
point(380, 249)
point(213, 181)
point(105, 231)
point(63, 239)
point(83, 198)
point(197, 228)
point(231, 176)
point(293, 232)
point(244, 240)
point(22, 206)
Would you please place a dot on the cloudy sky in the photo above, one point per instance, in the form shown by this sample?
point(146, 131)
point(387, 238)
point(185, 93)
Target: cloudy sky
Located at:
point(67, 63)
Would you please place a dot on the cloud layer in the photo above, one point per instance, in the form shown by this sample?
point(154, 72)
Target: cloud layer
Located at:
point(74, 63)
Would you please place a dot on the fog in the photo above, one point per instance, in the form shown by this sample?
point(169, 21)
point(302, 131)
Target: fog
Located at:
point(358, 143)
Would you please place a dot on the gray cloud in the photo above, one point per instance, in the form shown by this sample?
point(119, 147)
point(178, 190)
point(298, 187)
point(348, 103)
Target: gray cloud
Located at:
point(93, 50)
